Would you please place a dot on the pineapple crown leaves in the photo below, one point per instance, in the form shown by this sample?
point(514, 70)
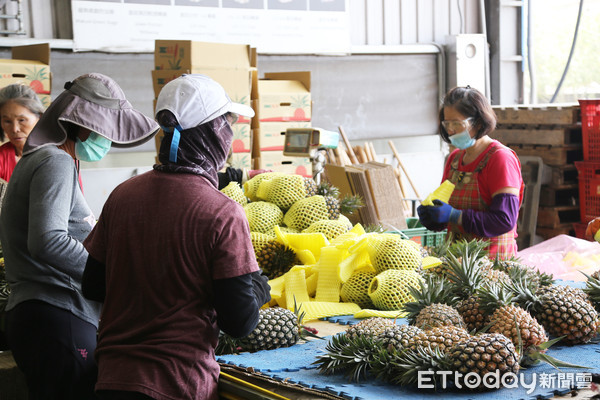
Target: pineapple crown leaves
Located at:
point(534, 354)
point(431, 290)
point(524, 295)
point(350, 203)
point(302, 330)
point(465, 272)
point(493, 296)
point(354, 356)
point(592, 288)
point(475, 247)
point(327, 189)
point(403, 367)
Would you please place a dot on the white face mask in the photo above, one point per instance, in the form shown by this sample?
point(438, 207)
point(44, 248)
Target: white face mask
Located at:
point(462, 140)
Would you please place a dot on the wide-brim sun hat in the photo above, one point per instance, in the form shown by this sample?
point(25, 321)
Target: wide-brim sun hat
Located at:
point(196, 99)
point(96, 102)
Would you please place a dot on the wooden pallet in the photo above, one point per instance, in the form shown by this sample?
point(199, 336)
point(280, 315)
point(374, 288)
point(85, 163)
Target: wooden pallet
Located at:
point(554, 217)
point(564, 195)
point(549, 233)
point(543, 114)
point(560, 175)
point(552, 155)
point(529, 135)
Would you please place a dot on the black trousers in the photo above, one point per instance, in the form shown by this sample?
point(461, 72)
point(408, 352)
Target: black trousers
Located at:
point(55, 351)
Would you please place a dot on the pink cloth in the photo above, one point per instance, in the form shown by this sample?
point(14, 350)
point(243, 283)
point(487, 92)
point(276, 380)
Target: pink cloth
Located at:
point(565, 257)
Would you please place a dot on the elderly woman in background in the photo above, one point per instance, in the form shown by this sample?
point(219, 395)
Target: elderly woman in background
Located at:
point(20, 110)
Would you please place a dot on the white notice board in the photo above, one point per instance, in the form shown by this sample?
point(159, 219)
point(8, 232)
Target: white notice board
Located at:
point(272, 26)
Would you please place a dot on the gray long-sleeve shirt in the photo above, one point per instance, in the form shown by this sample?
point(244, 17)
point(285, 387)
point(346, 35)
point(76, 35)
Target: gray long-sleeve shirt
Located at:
point(43, 222)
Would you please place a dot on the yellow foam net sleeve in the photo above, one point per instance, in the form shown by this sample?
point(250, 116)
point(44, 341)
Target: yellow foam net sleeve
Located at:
point(277, 286)
point(353, 262)
point(430, 262)
point(320, 309)
point(307, 241)
point(329, 283)
point(368, 313)
point(443, 193)
point(295, 287)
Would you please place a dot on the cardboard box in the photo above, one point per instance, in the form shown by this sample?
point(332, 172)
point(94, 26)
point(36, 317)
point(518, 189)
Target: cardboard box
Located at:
point(29, 65)
point(188, 54)
point(242, 138)
point(276, 161)
point(270, 136)
point(284, 96)
point(240, 160)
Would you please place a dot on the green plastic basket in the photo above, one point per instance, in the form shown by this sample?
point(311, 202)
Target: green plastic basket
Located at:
point(418, 233)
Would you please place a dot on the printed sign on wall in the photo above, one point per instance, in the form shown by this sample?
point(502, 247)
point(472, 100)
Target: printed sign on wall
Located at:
point(272, 26)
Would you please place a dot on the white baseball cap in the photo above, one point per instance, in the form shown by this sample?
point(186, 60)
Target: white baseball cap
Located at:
point(195, 99)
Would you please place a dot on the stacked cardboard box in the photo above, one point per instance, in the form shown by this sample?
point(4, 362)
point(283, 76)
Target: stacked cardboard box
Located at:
point(232, 65)
point(281, 100)
point(29, 65)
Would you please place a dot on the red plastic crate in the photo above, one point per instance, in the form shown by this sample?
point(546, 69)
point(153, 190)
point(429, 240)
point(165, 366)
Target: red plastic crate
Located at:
point(590, 129)
point(589, 189)
point(580, 228)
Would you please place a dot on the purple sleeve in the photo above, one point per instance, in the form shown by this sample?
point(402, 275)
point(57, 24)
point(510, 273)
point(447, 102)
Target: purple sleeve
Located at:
point(499, 219)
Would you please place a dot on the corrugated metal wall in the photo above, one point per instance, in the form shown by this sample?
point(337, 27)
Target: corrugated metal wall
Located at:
point(372, 22)
point(398, 22)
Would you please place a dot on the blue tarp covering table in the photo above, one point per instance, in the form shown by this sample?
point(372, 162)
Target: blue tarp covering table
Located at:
point(295, 365)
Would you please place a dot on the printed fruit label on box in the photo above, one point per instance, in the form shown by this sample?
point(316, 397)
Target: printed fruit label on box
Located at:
point(240, 160)
point(242, 138)
point(283, 100)
point(276, 161)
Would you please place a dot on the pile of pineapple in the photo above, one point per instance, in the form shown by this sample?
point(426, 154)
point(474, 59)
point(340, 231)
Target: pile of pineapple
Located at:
point(472, 316)
point(466, 312)
point(314, 256)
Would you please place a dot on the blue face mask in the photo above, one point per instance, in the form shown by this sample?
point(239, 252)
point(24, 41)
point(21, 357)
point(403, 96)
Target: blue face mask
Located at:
point(462, 140)
point(93, 149)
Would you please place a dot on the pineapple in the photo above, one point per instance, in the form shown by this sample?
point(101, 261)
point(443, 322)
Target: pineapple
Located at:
point(389, 290)
point(466, 274)
point(251, 185)
point(356, 289)
point(310, 187)
point(430, 308)
point(517, 271)
point(391, 251)
point(563, 312)
point(436, 315)
point(263, 216)
point(275, 258)
point(315, 208)
point(282, 191)
point(510, 320)
point(369, 327)
point(398, 336)
point(235, 192)
point(482, 354)
point(277, 327)
point(441, 337)
point(592, 289)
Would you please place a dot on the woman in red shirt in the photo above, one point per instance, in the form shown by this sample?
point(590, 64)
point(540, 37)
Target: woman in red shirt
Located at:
point(20, 110)
point(489, 187)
